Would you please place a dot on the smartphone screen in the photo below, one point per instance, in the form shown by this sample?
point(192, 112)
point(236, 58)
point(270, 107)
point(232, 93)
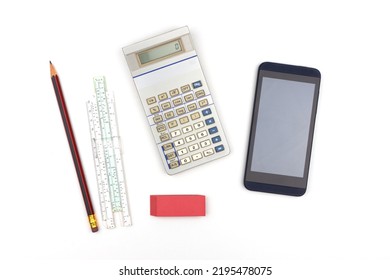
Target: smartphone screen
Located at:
point(282, 129)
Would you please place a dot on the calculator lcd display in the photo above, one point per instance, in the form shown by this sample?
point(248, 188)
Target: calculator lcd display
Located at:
point(282, 129)
point(159, 52)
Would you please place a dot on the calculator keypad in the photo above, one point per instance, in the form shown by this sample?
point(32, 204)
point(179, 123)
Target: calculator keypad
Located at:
point(183, 121)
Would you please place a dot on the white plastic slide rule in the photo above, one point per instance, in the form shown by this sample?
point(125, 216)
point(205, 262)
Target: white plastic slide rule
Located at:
point(108, 157)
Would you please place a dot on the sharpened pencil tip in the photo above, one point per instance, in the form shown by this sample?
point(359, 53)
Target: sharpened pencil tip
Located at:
point(50, 61)
point(52, 70)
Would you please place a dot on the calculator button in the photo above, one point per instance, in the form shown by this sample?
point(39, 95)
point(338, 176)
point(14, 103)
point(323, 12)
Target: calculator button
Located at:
point(172, 124)
point(216, 139)
point(164, 137)
point(174, 92)
point(173, 164)
point(185, 160)
point(203, 103)
point(206, 112)
point(191, 107)
point(167, 147)
point(205, 143)
point(178, 143)
point(219, 148)
point(169, 115)
point(187, 129)
point(185, 88)
point(161, 128)
point(189, 97)
point(199, 125)
point(195, 116)
point(213, 130)
point(154, 110)
point(175, 133)
point(200, 93)
point(182, 151)
point(151, 100)
point(196, 84)
point(162, 96)
point(171, 155)
point(157, 119)
point(210, 121)
point(193, 147)
point(197, 156)
point(177, 101)
point(184, 120)
point(166, 105)
point(208, 152)
point(180, 111)
point(190, 138)
point(202, 134)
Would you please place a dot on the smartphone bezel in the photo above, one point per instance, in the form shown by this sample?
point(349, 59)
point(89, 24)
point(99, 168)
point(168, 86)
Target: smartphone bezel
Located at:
point(276, 183)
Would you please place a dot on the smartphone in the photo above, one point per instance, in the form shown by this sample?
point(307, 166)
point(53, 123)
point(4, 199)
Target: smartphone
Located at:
point(282, 129)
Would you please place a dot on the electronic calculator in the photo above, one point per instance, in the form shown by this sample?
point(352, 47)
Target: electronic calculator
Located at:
point(177, 101)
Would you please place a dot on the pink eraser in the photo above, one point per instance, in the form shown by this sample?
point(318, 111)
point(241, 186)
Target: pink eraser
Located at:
point(177, 205)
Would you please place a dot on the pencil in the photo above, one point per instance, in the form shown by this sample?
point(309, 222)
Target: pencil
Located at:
point(73, 148)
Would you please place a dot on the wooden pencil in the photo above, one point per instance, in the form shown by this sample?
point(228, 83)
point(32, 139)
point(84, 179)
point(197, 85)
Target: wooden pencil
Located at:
point(73, 148)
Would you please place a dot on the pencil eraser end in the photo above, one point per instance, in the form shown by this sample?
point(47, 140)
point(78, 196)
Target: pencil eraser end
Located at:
point(95, 229)
point(177, 205)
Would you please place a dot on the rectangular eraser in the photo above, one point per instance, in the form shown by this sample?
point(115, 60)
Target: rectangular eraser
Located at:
point(177, 205)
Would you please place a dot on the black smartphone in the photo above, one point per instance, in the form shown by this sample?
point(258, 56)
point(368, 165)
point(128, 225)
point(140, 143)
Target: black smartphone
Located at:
point(282, 129)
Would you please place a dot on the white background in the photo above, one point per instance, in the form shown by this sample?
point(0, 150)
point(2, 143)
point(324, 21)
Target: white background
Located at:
point(339, 227)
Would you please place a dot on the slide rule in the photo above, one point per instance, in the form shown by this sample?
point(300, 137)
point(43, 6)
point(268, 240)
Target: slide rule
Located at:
point(108, 157)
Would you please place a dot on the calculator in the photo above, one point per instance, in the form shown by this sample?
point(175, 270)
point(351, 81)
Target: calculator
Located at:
point(177, 101)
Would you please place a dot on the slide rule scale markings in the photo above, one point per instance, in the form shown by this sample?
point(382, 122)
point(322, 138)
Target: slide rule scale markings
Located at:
point(107, 156)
